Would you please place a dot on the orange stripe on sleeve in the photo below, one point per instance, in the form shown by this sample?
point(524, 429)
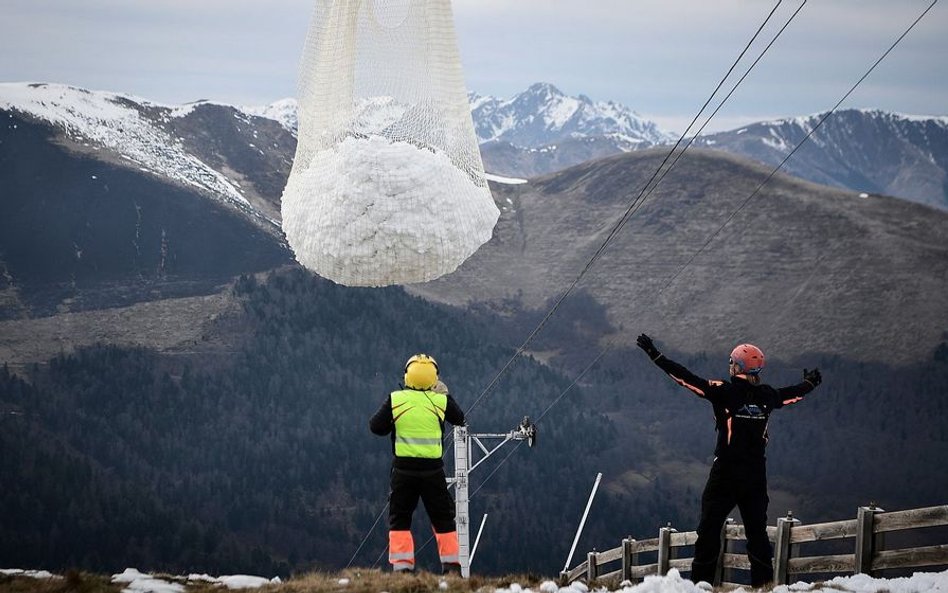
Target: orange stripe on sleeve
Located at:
point(687, 385)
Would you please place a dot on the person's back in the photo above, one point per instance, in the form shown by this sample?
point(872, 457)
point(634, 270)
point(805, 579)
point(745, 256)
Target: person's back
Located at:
point(741, 411)
point(414, 416)
point(742, 407)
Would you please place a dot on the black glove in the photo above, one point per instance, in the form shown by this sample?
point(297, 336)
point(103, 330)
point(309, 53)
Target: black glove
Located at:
point(812, 377)
point(645, 343)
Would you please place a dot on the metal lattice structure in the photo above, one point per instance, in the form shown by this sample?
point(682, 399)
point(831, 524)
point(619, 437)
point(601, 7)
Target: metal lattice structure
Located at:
point(464, 453)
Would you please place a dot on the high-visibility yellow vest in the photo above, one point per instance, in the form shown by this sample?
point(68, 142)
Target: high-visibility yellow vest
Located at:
point(418, 416)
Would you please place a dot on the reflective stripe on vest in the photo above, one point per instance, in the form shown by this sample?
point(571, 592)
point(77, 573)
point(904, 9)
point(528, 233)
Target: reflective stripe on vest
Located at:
point(418, 416)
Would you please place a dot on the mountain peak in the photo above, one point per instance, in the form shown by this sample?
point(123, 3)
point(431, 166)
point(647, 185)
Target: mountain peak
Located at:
point(544, 89)
point(542, 116)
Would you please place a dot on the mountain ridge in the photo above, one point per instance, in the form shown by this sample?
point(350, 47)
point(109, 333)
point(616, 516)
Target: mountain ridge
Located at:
point(530, 252)
point(535, 132)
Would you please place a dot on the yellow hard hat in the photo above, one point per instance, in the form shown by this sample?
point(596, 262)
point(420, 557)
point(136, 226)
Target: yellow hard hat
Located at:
point(421, 372)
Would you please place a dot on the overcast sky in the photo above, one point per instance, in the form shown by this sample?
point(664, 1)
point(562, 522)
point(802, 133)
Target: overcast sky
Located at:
point(659, 57)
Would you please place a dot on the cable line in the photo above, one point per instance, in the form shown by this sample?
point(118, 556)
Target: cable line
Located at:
point(612, 233)
point(715, 112)
point(797, 147)
point(367, 535)
point(612, 342)
point(615, 229)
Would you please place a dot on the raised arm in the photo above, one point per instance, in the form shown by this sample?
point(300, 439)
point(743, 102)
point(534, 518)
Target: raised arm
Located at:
point(795, 393)
point(698, 385)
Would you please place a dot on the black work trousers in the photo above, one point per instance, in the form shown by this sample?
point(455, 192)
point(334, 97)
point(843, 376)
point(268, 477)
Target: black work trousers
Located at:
point(407, 487)
point(741, 484)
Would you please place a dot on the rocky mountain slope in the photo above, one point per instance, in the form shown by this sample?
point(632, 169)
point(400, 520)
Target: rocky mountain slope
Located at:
point(111, 200)
point(803, 268)
point(106, 202)
point(868, 151)
point(237, 435)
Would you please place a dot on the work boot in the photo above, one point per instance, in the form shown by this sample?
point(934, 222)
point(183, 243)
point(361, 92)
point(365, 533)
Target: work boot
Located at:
point(451, 568)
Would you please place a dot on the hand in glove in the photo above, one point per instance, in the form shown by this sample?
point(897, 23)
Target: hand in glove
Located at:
point(812, 377)
point(645, 343)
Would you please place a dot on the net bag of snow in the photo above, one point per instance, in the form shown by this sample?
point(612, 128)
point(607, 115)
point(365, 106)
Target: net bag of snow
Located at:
point(387, 186)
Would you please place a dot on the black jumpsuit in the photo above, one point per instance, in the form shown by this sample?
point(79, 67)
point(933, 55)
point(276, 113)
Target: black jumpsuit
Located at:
point(738, 475)
point(413, 478)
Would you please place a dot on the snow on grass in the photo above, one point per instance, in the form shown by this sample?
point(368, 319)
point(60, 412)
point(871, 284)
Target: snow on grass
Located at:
point(35, 574)
point(920, 582)
point(138, 582)
point(112, 121)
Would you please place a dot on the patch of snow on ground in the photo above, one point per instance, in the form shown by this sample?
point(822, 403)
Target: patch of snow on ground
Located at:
point(137, 582)
point(776, 142)
point(36, 574)
point(504, 180)
point(242, 581)
point(111, 121)
point(920, 582)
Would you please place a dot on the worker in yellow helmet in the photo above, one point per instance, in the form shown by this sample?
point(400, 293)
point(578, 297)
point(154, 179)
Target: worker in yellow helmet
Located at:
point(415, 416)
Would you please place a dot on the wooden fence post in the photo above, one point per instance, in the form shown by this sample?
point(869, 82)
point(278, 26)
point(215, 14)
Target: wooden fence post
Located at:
point(782, 548)
point(592, 571)
point(664, 549)
point(719, 571)
point(564, 578)
point(628, 558)
point(865, 539)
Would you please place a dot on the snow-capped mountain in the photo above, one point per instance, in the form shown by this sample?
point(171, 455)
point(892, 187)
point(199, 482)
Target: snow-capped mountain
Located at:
point(283, 111)
point(227, 153)
point(542, 115)
point(870, 151)
point(240, 155)
point(130, 127)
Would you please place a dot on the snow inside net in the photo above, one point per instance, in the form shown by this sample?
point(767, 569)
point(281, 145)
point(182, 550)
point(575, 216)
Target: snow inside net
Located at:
point(387, 186)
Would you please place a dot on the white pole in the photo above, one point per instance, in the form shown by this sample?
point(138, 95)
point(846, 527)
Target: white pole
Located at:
point(477, 539)
point(582, 523)
point(462, 464)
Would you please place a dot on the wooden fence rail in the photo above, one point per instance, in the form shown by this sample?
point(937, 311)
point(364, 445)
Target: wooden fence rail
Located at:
point(866, 530)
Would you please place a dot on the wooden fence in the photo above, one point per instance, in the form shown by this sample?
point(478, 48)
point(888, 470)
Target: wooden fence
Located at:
point(867, 530)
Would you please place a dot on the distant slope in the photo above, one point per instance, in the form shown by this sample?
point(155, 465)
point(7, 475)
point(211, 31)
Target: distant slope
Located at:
point(228, 155)
point(803, 268)
point(868, 151)
point(79, 231)
point(542, 115)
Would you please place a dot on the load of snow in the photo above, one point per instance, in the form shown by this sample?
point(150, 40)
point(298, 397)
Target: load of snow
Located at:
point(371, 212)
point(115, 122)
point(387, 185)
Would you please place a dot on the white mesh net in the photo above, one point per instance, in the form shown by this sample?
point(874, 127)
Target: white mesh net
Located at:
point(387, 186)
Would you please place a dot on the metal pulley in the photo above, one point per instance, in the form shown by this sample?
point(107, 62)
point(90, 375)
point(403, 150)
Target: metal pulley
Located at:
point(527, 431)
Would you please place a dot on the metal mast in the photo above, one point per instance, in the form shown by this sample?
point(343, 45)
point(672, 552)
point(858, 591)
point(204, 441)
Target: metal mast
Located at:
point(463, 467)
